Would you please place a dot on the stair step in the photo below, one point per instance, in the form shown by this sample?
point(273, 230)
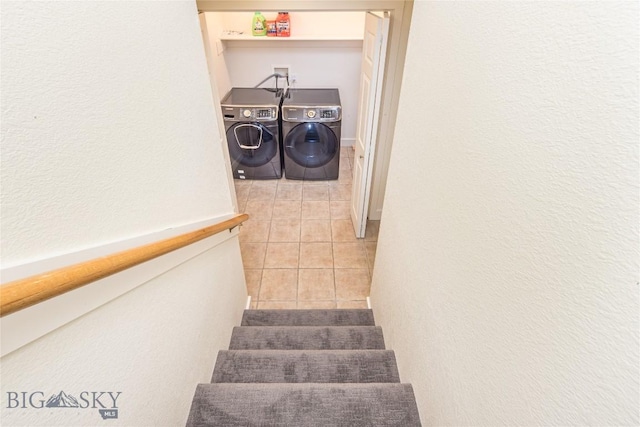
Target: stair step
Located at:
point(306, 366)
point(341, 317)
point(304, 405)
point(307, 338)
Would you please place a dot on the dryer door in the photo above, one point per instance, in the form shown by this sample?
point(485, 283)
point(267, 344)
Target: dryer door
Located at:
point(251, 144)
point(311, 144)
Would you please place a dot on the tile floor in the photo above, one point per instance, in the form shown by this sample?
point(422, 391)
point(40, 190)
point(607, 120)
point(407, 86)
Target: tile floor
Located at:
point(298, 247)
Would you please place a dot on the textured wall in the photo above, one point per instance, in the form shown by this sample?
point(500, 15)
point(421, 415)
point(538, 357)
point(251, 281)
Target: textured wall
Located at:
point(153, 344)
point(507, 269)
point(103, 105)
point(109, 133)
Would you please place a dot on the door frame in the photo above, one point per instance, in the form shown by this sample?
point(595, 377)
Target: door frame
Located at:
point(400, 20)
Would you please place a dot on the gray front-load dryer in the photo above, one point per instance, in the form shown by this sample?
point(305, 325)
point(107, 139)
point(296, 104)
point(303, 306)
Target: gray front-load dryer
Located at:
point(311, 127)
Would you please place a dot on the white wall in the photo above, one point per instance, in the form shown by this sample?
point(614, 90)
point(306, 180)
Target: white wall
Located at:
point(153, 344)
point(108, 134)
point(211, 22)
point(506, 276)
point(100, 110)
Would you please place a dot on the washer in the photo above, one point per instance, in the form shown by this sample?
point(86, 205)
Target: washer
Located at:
point(311, 127)
point(253, 132)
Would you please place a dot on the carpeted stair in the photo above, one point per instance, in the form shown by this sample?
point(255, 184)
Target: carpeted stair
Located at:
point(305, 368)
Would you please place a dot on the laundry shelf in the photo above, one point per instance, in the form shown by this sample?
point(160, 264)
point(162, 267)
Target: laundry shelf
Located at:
point(264, 39)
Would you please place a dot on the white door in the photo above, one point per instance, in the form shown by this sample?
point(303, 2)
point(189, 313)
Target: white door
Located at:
point(373, 55)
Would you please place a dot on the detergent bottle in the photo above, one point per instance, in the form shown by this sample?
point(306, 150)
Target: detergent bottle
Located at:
point(258, 26)
point(283, 24)
point(272, 30)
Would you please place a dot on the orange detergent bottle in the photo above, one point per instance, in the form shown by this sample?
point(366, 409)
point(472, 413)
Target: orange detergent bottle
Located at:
point(283, 24)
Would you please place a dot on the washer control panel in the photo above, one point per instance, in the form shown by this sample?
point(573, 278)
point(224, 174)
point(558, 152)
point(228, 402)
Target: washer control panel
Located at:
point(311, 114)
point(232, 113)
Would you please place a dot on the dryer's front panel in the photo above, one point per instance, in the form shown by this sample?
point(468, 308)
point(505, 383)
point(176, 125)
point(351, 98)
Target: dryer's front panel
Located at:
point(311, 152)
point(311, 114)
point(311, 145)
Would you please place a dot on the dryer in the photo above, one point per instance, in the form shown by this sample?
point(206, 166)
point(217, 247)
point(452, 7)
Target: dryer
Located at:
point(251, 118)
point(311, 128)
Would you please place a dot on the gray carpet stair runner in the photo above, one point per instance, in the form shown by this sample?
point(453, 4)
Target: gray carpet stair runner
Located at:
point(305, 368)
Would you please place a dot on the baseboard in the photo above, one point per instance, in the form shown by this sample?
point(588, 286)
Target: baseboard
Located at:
point(347, 142)
point(375, 215)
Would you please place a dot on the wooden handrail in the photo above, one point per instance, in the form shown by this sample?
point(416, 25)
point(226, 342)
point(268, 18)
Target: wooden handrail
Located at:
point(23, 293)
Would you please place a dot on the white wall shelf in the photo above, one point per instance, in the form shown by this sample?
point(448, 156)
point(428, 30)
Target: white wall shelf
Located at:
point(249, 37)
point(308, 41)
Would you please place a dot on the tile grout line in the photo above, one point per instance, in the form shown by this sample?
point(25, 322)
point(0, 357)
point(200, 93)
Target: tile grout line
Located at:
point(332, 196)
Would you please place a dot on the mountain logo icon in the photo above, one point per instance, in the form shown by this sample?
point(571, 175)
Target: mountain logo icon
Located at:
point(62, 400)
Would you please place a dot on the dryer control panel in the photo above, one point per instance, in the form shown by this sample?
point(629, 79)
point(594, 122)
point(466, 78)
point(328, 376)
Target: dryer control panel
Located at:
point(311, 114)
point(249, 113)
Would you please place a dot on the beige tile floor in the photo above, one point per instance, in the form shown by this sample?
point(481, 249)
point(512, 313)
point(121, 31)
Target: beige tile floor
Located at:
point(298, 247)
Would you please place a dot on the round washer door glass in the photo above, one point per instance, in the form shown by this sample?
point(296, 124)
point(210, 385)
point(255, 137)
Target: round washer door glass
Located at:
point(311, 144)
point(251, 144)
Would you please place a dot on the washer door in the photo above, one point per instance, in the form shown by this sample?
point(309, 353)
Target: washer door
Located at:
point(311, 144)
point(251, 144)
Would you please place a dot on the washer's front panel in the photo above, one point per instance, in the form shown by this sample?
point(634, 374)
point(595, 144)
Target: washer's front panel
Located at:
point(254, 149)
point(249, 113)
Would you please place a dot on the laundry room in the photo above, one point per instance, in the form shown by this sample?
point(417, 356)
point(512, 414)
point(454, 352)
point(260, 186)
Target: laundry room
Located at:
point(314, 200)
point(325, 48)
